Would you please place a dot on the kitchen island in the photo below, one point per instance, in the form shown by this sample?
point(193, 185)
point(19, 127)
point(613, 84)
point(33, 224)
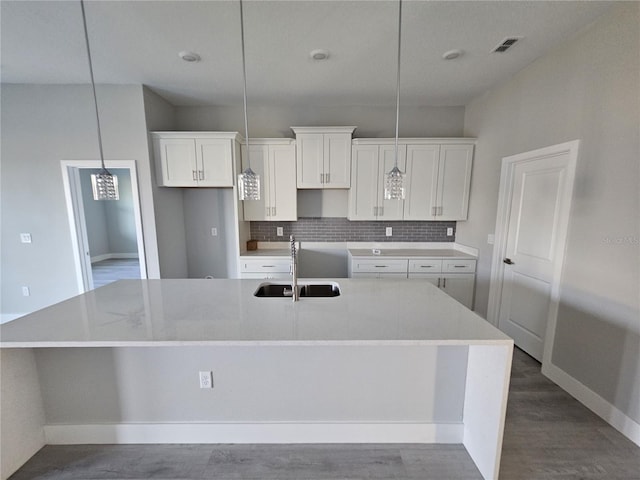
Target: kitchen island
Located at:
point(382, 362)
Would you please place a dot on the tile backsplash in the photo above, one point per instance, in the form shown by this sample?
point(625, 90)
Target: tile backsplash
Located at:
point(325, 229)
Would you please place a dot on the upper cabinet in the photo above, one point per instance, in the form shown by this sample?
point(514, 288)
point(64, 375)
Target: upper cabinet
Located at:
point(323, 156)
point(195, 159)
point(275, 161)
point(437, 179)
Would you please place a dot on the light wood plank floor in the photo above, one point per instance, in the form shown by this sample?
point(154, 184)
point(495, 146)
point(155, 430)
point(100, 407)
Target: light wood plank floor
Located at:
point(108, 271)
point(548, 436)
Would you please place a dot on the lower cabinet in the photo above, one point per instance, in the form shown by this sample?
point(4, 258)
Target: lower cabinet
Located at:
point(265, 267)
point(454, 276)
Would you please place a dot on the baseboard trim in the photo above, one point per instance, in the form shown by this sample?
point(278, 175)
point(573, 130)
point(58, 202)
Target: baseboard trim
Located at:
point(594, 402)
point(254, 433)
point(110, 256)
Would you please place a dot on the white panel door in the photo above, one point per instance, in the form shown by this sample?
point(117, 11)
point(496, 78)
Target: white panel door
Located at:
point(310, 158)
point(421, 181)
point(454, 177)
point(178, 162)
point(537, 215)
point(390, 209)
point(257, 209)
point(337, 160)
point(282, 183)
point(215, 162)
point(363, 194)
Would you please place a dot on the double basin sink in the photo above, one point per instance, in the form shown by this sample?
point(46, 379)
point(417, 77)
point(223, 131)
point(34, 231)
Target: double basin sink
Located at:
point(284, 290)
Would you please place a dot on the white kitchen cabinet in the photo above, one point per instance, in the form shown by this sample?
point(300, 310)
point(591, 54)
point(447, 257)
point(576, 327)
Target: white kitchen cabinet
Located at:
point(323, 157)
point(274, 160)
point(195, 159)
point(369, 165)
point(266, 267)
point(437, 179)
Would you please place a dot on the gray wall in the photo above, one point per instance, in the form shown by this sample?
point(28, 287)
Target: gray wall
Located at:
point(111, 226)
point(274, 121)
point(42, 125)
point(586, 89)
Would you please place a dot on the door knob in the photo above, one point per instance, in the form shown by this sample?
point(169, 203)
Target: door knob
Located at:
point(508, 261)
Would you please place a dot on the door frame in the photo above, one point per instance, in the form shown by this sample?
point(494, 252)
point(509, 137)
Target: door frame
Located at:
point(77, 223)
point(499, 250)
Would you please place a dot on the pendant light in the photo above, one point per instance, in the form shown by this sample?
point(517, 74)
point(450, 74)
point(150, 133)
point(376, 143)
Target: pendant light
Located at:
point(248, 180)
point(104, 184)
point(394, 180)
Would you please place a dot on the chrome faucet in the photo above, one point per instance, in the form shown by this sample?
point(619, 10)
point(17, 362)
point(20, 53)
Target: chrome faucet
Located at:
point(294, 269)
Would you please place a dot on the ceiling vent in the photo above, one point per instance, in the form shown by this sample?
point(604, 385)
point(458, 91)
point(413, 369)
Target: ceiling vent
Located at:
point(506, 44)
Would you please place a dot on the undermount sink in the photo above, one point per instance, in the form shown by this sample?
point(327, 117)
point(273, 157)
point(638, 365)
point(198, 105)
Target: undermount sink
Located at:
point(283, 290)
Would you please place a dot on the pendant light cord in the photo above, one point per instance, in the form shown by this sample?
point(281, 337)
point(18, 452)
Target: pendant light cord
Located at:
point(244, 84)
point(398, 78)
point(93, 84)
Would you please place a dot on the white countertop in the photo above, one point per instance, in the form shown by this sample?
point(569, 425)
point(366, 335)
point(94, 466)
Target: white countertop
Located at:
point(225, 312)
point(411, 252)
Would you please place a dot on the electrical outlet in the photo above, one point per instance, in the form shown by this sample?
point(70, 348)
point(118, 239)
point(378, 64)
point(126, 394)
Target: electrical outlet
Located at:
point(214, 232)
point(449, 232)
point(389, 231)
point(279, 231)
point(206, 380)
point(26, 291)
point(491, 238)
point(25, 237)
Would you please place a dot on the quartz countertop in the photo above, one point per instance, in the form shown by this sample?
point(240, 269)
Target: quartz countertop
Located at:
point(225, 312)
point(411, 252)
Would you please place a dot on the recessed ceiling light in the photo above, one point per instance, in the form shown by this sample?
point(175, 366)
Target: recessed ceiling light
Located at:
point(452, 54)
point(189, 56)
point(319, 54)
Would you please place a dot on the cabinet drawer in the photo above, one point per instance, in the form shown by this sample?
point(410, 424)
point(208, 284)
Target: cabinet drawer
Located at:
point(459, 266)
point(278, 265)
point(425, 266)
point(380, 266)
point(399, 276)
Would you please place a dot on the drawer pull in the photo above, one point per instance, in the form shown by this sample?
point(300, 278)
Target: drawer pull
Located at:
point(268, 266)
point(426, 266)
point(381, 266)
point(460, 266)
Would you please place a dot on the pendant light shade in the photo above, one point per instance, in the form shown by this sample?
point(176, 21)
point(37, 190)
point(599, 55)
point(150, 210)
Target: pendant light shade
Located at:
point(394, 180)
point(248, 180)
point(104, 184)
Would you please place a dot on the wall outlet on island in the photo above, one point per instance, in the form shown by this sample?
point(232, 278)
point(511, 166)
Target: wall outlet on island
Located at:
point(206, 380)
point(389, 232)
point(449, 232)
point(279, 231)
point(214, 232)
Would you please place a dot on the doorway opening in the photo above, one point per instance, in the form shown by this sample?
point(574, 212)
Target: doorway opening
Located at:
point(106, 234)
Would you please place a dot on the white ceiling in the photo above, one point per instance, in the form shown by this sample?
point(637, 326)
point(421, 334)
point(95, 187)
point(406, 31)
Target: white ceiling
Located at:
point(138, 42)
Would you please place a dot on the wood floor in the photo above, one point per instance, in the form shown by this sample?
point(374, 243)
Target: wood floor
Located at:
point(548, 436)
point(108, 271)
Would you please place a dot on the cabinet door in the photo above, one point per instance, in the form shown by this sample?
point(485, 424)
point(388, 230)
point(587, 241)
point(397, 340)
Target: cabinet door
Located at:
point(460, 287)
point(177, 162)
point(215, 162)
point(282, 183)
point(337, 160)
point(454, 178)
point(390, 209)
point(421, 182)
point(257, 209)
point(310, 160)
point(363, 194)
point(432, 278)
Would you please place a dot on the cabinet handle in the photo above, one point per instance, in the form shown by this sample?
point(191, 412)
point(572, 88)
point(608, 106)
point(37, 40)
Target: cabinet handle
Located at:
point(327, 177)
point(194, 175)
point(438, 283)
point(268, 266)
point(426, 266)
point(459, 266)
point(201, 174)
point(322, 178)
point(381, 266)
point(273, 211)
point(444, 283)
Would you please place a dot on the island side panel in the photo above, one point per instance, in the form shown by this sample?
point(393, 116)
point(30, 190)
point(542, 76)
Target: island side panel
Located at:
point(485, 404)
point(332, 393)
point(21, 410)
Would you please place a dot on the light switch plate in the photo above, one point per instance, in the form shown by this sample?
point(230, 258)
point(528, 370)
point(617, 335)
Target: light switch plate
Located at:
point(25, 237)
point(279, 231)
point(491, 238)
point(214, 232)
point(389, 232)
point(449, 232)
